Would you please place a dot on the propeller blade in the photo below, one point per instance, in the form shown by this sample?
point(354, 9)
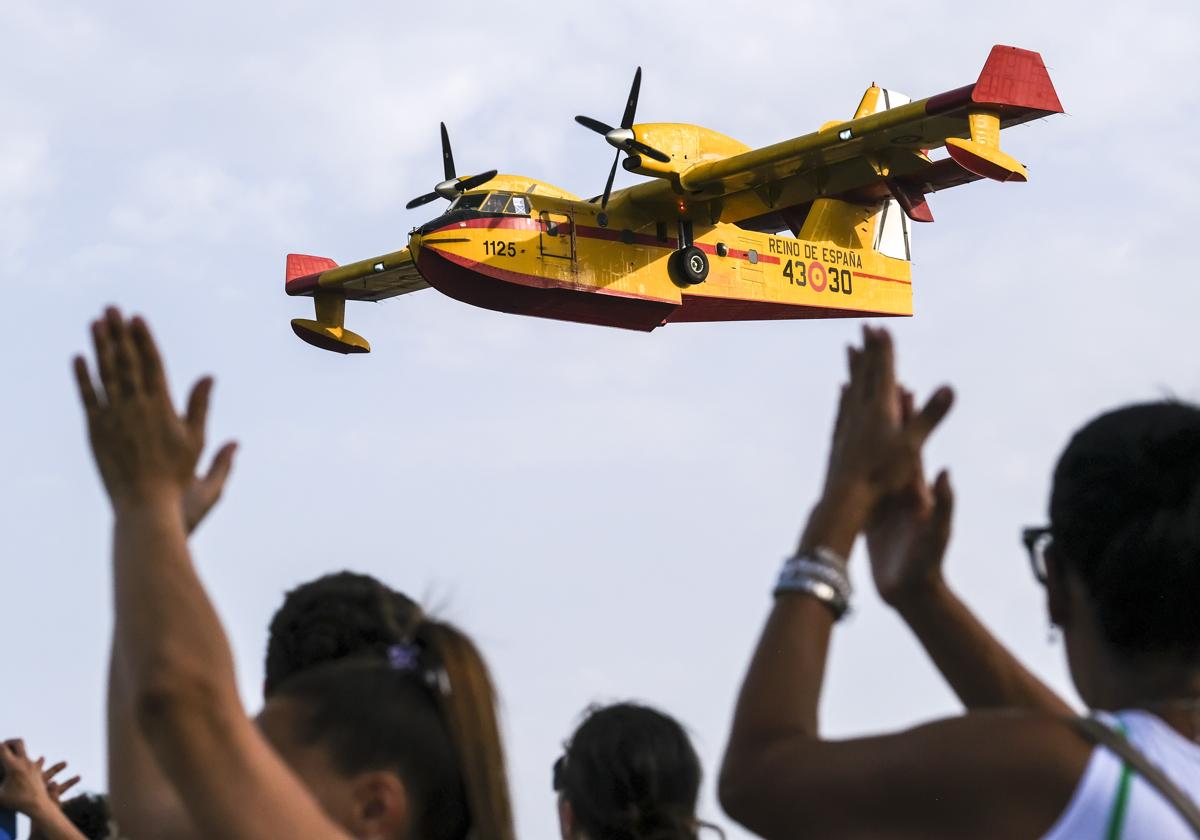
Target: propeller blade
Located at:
point(594, 125)
point(447, 155)
point(421, 199)
point(649, 151)
point(612, 173)
point(476, 180)
point(631, 105)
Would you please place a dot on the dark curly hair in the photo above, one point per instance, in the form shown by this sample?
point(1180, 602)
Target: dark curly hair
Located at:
point(1125, 514)
point(89, 813)
point(335, 616)
point(630, 773)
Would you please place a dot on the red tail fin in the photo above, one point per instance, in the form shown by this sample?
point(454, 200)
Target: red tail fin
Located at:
point(1016, 78)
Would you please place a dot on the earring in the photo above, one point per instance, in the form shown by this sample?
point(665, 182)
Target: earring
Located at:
point(1053, 634)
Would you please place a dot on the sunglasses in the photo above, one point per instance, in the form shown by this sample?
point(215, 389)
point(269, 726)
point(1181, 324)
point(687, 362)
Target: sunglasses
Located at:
point(1037, 542)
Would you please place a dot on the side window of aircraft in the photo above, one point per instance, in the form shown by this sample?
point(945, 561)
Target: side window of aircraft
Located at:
point(495, 203)
point(519, 205)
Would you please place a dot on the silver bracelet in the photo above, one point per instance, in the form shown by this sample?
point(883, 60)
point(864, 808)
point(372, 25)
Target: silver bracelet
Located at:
point(821, 573)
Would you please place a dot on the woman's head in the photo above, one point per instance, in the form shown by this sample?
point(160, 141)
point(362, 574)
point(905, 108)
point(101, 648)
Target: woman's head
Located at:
point(403, 744)
point(1125, 520)
point(330, 618)
point(628, 773)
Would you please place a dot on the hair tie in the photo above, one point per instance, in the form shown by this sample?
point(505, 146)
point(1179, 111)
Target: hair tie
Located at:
point(403, 657)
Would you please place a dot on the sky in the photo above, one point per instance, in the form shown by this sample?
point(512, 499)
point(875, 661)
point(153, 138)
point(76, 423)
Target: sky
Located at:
point(604, 511)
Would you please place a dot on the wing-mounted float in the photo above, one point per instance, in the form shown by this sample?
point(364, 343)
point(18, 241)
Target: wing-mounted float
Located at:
point(812, 227)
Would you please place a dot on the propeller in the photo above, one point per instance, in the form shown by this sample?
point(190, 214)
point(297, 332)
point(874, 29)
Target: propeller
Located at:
point(453, 186)
point(622, 137)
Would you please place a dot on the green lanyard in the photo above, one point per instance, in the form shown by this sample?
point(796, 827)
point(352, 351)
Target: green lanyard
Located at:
point(1116, 817)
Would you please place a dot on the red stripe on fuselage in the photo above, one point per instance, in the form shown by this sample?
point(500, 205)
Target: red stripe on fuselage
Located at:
point(885, 279)
point(705, 309)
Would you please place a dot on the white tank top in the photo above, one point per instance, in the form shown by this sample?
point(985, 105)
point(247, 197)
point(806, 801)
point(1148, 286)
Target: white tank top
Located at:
point(1094, 810)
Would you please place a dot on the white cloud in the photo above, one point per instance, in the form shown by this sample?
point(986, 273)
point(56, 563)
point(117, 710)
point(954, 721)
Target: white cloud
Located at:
point(27, 177)
point(177, 195)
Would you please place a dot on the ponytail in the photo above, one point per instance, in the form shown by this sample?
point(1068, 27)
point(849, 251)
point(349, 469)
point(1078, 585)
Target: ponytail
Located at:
point(467, 702)
point(427, 710)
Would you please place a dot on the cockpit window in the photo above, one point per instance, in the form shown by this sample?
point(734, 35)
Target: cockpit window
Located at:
point(469, 201)
point(495, 203)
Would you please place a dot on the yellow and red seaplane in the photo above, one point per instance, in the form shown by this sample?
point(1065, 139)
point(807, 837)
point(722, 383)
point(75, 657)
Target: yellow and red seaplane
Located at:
point(700, 240)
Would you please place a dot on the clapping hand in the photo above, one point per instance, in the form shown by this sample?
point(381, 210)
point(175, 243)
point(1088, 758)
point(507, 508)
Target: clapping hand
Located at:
point(877, 440)
point(27, 786)
point(907, 534)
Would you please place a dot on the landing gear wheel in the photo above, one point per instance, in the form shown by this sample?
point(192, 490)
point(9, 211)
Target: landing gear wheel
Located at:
point(689, 266)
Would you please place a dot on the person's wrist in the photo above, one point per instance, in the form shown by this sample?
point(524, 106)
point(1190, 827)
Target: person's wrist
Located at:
point(919, 596)
point(838, 517)
point(848, 493)
point(41, 811)
point(150, 496)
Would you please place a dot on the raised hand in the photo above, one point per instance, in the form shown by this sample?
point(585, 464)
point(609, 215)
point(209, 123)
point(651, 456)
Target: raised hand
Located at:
point(907, 534)
point(23, 788)
point(878, 438)
point(143, 448)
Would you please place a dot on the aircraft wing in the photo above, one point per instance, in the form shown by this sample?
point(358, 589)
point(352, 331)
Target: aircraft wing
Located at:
point(375, 279)
point(884, 153)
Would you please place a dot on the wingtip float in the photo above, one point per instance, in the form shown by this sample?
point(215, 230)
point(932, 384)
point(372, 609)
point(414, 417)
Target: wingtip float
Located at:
point(701, 239)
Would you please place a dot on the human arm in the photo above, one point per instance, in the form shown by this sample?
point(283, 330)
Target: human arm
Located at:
point(906, 535)
point(178, 669)
point(954, 778)
point(144, 800)
point(29, 789)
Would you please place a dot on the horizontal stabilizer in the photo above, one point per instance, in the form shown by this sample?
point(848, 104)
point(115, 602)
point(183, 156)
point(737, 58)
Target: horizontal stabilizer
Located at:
point(985, 161)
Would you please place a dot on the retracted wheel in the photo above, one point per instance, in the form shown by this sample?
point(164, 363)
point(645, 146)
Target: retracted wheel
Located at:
point(689, 265)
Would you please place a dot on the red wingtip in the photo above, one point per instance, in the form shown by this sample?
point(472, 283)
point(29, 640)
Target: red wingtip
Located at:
point(1017, 78)
point(302, 265)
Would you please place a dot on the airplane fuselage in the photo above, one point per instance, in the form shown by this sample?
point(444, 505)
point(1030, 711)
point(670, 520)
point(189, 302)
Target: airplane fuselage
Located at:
point(559, 261)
